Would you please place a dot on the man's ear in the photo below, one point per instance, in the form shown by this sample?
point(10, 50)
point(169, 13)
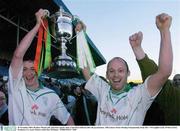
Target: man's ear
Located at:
point(107, 75)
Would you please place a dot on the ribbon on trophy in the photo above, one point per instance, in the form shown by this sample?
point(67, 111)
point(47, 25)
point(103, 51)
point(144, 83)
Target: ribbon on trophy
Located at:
point(43, 49)
point(84, 56)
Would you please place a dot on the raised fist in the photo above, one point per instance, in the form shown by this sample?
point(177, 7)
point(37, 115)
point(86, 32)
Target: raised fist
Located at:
point(163, 21)
point(136, 39)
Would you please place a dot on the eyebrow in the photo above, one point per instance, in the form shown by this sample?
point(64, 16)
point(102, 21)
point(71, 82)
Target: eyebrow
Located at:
point(28, 68)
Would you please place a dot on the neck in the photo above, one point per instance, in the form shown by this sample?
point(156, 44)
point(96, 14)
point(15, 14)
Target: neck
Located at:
point(34, 88)
point(125, 88)
point(114, 91)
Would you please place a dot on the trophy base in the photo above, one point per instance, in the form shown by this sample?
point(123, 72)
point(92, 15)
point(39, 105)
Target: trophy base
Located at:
point(62, 73)
point(63, 68)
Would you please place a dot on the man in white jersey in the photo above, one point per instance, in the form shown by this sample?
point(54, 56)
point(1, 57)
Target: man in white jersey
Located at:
point(118, 103)
point(30, 103)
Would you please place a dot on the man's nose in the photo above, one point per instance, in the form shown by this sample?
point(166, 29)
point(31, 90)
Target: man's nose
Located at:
point(29, 71)
point(116, 73)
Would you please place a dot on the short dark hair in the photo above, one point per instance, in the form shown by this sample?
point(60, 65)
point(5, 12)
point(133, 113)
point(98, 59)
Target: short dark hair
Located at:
point(28, 57)
point(176, 75)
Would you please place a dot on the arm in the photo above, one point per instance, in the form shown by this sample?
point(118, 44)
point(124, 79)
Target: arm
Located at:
point(70, 121)
point(146, 65)
point(86, 73)
point(135, 42)
point(25, 43)
point(157, 80)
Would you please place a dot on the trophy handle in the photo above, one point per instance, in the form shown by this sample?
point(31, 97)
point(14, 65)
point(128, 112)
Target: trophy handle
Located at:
point(76, 17)
point(47, 13)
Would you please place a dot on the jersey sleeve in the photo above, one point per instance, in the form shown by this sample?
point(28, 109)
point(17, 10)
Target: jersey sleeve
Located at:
point(140, 97)
point(13, 84)
point(96, 86)
point(60, 112)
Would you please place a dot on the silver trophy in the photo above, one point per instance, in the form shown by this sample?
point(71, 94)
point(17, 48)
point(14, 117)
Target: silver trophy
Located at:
point(63, 65)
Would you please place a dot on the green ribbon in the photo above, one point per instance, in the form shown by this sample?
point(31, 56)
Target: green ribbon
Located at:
point(47, 61)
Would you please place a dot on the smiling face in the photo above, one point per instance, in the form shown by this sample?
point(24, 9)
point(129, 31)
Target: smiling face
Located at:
point(29, 74)
point(176, 80)
point(117, 73)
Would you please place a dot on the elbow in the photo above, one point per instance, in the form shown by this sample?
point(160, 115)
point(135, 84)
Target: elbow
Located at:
point(165, 69)
point(166, 73)
point(17, 55)
point(169, 72)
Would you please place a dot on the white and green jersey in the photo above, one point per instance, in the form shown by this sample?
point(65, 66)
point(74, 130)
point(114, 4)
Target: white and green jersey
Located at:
point(28, 107)
point(126, 108)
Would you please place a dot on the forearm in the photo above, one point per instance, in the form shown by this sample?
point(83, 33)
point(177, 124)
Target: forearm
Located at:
point(166, 55)
point(86, 73)
point(26, 42)
point(138, 52)
point(70, 121)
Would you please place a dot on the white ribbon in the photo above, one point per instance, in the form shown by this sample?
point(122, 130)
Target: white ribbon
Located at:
point(84, 56)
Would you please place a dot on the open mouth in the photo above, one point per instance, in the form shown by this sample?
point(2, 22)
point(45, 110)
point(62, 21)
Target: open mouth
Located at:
point(116, 81)
point(30, 79)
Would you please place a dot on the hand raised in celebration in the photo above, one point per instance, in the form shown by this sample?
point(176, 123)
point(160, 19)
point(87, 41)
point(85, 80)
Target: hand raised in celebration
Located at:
point(163, 21)
point(136, 39)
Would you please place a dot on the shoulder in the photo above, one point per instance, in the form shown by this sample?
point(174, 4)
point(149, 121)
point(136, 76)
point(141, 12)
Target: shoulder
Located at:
point(139, 90)
point(47, 91)
point(98, 79)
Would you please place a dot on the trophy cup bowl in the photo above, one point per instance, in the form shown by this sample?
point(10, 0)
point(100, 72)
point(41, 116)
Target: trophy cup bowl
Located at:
point(62, 66)
point(63, 24)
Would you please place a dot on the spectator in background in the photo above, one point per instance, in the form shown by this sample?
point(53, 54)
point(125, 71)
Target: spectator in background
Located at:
point(3, 109)
point(176, 80)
